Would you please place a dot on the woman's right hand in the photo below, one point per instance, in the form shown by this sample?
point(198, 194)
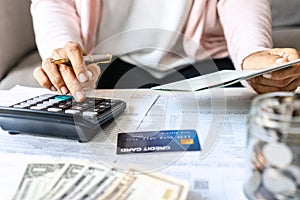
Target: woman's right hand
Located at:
point(63, 78)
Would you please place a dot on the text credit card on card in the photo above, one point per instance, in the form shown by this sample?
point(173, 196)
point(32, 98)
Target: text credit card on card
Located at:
point(158, 141)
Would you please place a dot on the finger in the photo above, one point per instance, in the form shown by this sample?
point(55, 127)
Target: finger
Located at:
point(59, 53)
point(287, 53)
point(72, 82)
point(293, 86)
point(93, 71)
point(271, 82)
point(43, 79)
point(75, 54)
point(290, 72)
point(261, 60)
point(54, 76)
point(262, 89)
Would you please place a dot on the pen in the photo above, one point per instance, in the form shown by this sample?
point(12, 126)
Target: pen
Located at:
point(97, 59)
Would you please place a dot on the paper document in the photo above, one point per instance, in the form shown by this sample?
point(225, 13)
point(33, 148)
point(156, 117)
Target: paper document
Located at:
point(219, 79)
point(214, 173)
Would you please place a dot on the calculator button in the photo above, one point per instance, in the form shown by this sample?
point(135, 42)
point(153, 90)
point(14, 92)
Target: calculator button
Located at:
point(54, 100)
point(105, 106)
point(32, 102)
point(77, 108)
point(20, 106)
point(48, 103)
point(100, 110)
point(63, 97)
point(89, 114)
point(64, 106)
point(54, 109)
point(25, 104)
point(101, 106)
point(41, 106)
point(36, 108)
point(72, 111)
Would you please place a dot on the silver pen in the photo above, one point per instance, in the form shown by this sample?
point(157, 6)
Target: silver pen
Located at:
point(97, 59)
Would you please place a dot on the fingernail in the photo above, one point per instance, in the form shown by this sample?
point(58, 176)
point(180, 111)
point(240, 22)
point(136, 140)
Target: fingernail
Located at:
point(64, 90)
point(267, 76)
point(79, 95)
point(83, 78)
point(280, 60)
point(53, 89)
point(90, 74)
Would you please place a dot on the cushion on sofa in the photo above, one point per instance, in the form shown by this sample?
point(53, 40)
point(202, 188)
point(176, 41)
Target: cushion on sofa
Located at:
point(22, 73)
point(285, 13)
point(286, 37)
point(16, 33)
point(286, 23)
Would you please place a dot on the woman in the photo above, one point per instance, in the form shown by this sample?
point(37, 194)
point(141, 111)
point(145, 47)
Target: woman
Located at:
point(161, 37)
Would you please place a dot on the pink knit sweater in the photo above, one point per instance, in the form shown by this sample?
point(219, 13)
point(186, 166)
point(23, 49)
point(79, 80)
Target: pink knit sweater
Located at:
point(235, 28)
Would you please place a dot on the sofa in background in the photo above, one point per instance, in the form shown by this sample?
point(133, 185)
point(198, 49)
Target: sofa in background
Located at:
point(19, 56)
point(286, 23)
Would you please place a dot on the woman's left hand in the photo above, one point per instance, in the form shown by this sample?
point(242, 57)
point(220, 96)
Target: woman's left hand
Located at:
point(286, 79)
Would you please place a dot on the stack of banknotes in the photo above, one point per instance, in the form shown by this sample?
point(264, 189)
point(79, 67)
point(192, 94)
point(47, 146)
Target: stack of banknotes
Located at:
point(87, 181)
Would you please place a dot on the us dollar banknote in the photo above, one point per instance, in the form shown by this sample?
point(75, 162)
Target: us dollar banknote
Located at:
point(65, 180)
point(37, 180)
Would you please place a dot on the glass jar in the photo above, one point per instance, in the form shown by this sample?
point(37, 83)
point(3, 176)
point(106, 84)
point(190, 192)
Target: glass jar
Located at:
point(273, 147)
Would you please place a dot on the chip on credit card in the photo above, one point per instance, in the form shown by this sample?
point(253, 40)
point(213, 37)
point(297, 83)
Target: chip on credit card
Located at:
point(158, 141)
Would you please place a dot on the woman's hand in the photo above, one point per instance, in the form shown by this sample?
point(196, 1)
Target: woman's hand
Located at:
point(63, 78)
point(286, 79)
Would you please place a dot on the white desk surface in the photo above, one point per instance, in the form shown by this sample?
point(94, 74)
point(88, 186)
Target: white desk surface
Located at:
point(219, 116)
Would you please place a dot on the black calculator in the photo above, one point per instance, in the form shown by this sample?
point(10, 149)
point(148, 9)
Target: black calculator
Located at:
point(60, 116)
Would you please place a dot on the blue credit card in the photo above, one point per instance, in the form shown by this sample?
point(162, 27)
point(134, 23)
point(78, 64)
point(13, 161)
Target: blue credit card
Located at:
point(158, 141)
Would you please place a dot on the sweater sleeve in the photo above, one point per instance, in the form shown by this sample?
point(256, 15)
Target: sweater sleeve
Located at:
point(55, 23)
point(247, 27)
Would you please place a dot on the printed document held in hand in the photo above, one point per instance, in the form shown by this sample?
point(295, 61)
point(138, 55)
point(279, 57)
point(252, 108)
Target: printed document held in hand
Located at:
point(219, 79)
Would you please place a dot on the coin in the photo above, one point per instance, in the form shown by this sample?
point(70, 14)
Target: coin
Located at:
point(263, 193)
point(253, 182)
point(259, 160)
point(277, 155)
point(277, 183)
point(275, 134)
point(295, 172)
point(296, 105)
